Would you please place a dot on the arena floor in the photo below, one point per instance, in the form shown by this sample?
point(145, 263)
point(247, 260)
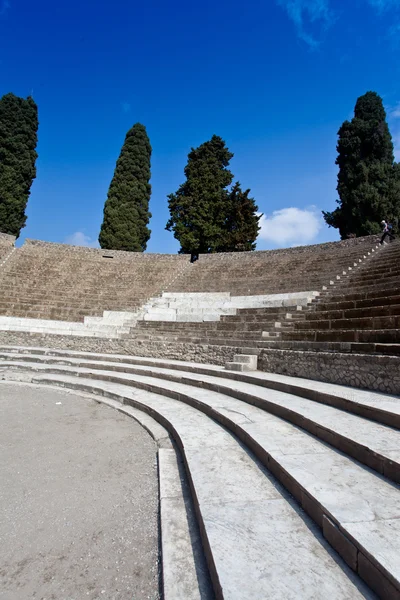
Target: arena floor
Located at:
point(78, 498)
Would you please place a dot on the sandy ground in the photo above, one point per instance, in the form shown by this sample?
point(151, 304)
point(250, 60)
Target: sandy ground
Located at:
point(78, 500)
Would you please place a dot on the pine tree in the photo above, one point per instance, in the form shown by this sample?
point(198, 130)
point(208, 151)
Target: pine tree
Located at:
point(18, 139)
point(367, 172)
point(126, 210)
point(241, 226)
point(203, 211)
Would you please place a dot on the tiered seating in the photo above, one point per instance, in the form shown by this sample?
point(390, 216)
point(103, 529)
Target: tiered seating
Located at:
point(6, 245)
point(361, 315)
point(244, 329)
point(253, 328)
point(53, 281)
point(272, 271)
point(265, 455)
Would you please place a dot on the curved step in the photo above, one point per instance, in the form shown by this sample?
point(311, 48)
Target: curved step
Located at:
point(257, 543)
point(375, 445)
point(357, 510)
point(382, 408)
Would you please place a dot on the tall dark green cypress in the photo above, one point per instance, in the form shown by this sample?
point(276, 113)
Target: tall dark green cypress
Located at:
point(126, 210)
point(198, 208)
point(242, 222)
point(18, 139)
point(205, 215)
point(368, 176)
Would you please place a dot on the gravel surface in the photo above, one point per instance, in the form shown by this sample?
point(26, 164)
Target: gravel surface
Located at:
point(78, 500)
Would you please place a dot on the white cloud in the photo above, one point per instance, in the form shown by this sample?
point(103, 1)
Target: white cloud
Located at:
point(382, 5)
point(81, 239)
point(319, 13)
point(306, 12)
point(395, 111)
point(290, 226)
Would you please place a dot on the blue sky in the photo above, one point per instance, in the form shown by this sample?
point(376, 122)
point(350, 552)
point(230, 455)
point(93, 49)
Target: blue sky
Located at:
point(274, 78)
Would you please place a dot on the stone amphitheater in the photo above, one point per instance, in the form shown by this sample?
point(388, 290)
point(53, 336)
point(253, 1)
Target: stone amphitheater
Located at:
point(269, 382)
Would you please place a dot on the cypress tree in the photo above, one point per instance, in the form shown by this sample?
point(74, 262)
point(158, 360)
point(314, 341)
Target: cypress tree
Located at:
point(18, 139)
point(126, 210)
point(367, 172)
point(241, 226)
point(205, 216)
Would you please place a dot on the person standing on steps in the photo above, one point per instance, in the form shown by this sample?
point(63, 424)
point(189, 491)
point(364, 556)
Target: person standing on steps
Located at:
point(387, 230)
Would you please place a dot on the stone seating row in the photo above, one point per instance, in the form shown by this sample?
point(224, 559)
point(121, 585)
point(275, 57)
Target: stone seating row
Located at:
point(56, 282)
point(310, 468)
point(40, 276)
point(365, 320)
point(272, 271)
point(377, 320)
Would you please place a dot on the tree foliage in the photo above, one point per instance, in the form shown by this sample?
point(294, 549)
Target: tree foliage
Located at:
point(368, 178)
point(18, 139)
point(205, 215)
point(241, 225)
point(126, 210)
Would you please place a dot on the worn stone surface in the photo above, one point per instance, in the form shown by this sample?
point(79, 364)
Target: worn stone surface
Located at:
point(332, 484)
point(7, 240)
point(379, 373)
point(243, 509)
point(202, 353)
point(373, 372)
point(185, 573)
point(78, 499)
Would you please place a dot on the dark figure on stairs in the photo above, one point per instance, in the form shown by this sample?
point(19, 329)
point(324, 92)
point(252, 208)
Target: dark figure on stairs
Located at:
point(387, 230)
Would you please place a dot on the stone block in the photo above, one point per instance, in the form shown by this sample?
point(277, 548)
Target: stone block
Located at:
point(248, 359)
point(376, 580)
point(161, 315)
point(340, 542)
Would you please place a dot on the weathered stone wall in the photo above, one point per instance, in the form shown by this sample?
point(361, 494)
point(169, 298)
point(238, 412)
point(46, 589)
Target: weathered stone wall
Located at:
point(41, 249)
point(367, 371)
point(7, 240)
point(201, 353)
point(373, 372)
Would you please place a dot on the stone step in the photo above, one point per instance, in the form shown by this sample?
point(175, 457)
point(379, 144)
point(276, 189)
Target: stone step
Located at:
point(196, 337)
point(372, 311)
point(243, 362)
point(342, 347)
point(372, 405)
point(222, 327)
point(369, 274)
point(366, 295)
point(359, 286)
point(380, 322)
point(357, 510)
point(350, 304)
point(276, 316)
point(49, 297)
point(382, 336)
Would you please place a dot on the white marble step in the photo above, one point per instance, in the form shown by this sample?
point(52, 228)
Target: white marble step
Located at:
point(199, 307)
point(257, 542)
point(358, 511)
point(53, 327)
point(382, 408)
point(373, 444)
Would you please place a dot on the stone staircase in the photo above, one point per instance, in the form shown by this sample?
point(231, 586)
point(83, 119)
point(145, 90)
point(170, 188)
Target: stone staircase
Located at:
point(295, 483)
point(59, 282)
point(274, 271)
point(363, 312)
point(359, 312)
